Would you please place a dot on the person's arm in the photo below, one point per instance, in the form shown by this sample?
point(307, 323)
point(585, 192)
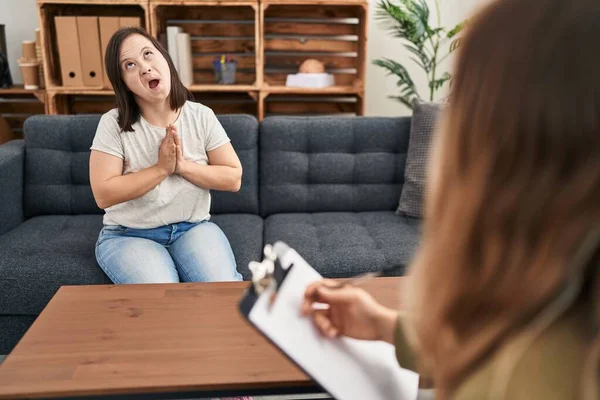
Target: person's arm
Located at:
point(223, 172)
point(111, 187)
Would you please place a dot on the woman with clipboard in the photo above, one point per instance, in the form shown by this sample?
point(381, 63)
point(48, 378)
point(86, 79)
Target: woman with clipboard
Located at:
point(504, 293)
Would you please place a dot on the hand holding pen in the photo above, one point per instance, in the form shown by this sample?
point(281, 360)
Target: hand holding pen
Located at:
point(349, 311)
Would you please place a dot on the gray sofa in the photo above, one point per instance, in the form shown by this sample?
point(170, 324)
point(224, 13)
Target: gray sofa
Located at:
point(327, 186)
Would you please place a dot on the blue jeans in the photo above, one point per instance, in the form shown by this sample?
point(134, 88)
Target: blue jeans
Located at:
point(182, 252)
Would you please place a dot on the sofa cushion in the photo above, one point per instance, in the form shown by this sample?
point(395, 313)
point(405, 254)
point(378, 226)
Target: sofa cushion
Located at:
point(45, 253)
point(57, 152)
point(12, 157)
point(423, 125)
point(322, 164)
point(345, 244)
point(245, 234)
point(243, 132)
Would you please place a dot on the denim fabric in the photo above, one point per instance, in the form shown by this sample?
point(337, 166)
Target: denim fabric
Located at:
point(182, 252)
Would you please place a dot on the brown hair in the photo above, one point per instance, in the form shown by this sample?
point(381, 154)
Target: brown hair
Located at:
point(516, 184)
point(129, 111)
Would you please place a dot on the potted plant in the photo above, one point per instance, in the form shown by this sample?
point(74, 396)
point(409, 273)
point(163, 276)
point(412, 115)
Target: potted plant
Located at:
point(429, 45)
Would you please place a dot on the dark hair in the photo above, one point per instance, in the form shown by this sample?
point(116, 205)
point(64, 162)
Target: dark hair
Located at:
point(129, 111)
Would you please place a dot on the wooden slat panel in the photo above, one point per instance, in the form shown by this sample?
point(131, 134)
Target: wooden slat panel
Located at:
point(24, 107)
point(218, 29)
point(239, 13)
point(312, 28)
point(280, 78)
point(206, 62)
point(333, 46)
point(294, 61)
point(204, 76)
point(312, 11)
point(81, 105)
point(223, 46)
point(227, 97)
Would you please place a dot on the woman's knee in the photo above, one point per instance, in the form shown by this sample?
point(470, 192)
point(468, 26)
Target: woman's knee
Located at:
point(132, 260)
point(204, 254)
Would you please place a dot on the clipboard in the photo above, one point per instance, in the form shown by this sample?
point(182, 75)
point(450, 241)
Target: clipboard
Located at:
point(347, 369)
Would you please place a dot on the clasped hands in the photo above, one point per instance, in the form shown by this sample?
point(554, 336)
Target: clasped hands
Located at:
point(170, 153)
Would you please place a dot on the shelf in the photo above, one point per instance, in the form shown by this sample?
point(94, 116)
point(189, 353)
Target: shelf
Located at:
point(100, 2)
point(316, 2)
point(98, 91)
point(298, 90)
point(92, 91)
point(268, 38)
point(18, 90)
point(202, 2)
point(222, 88)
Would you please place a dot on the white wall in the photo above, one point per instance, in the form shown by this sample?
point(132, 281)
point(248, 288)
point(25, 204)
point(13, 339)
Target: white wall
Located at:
point(20, 18)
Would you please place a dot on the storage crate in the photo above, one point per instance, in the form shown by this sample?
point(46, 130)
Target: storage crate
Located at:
point(216, 28)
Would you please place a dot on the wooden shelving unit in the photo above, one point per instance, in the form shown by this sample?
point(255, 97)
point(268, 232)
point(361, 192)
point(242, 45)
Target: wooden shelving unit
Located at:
point(269, 39)
point(17, 104)
point(48, 9)
point(334, 32)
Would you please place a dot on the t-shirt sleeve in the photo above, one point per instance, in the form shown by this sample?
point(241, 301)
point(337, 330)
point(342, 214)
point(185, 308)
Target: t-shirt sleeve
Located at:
point(107, 138)
point(215, 133)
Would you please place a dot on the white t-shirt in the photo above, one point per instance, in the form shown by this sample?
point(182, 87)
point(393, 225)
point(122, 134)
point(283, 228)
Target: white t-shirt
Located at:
point(175, 199)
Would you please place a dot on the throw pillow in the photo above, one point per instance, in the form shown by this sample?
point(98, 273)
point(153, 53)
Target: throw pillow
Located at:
point(425, 116)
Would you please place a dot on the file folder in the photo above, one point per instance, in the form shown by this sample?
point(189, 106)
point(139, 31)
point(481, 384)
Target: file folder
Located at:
point(89, 48)
point(68, 51)
point(108, 26)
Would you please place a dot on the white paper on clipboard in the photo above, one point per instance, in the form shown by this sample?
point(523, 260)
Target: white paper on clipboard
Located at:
point(347, 369)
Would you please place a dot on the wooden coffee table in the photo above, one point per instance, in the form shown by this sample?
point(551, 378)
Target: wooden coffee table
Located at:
point(153, 341)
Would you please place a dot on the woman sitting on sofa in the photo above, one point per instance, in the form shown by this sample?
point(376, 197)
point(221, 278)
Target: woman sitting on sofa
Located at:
point(154, 159)
point(503, 297)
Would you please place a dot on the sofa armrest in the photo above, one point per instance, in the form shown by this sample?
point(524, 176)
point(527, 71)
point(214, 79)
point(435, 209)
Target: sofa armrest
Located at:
point(12, 165)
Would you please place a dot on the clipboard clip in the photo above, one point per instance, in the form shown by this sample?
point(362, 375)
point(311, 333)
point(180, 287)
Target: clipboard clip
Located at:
point(263, 272)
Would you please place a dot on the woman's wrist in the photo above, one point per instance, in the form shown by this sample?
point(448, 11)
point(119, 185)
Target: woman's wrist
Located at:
point(182, 167)
point(164, 173)
point(387, 322)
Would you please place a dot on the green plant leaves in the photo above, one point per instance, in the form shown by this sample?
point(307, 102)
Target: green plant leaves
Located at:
point(422, 58)
point(456, 30)
point(455, 45)
point(408, 90)
point(407, 19)
point(437, 84)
